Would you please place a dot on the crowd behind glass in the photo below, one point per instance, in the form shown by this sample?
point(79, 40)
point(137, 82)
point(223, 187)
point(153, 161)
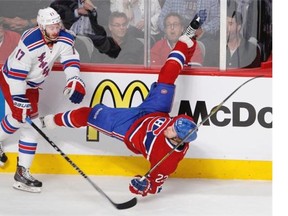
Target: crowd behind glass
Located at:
point(248, 29)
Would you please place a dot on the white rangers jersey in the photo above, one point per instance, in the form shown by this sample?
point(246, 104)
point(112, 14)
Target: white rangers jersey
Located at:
point(31, 62)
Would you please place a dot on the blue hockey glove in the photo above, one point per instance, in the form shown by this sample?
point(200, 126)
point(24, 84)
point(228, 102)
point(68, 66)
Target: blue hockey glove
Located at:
point(75, 89)
point(203, 15)
point(138, 186)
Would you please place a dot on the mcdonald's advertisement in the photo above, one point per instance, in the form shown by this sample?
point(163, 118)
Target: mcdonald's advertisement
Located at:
point(240, 130)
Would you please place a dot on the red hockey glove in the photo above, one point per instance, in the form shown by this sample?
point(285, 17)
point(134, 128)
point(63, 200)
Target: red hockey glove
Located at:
point(21, 107)
point(75, 89)
point(138, 186)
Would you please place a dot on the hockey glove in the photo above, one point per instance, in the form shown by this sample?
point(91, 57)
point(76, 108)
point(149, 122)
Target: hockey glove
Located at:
point(21, 107)
point(203, 15)
point(137, 186)
point(75, 89)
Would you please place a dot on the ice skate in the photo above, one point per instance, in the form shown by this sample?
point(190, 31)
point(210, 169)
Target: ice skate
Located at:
point(26, 182)
point(48, 122)
point(189, 33)
point(3, 157)
point(193, 26)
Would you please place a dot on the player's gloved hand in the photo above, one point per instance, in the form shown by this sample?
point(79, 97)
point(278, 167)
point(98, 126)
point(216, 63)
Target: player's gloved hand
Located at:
point(203, 15)
point(75, 89)
point(138, 186)
point(143, 187)
point(21, 107)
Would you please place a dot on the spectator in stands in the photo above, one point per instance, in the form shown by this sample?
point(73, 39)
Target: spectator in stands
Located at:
point(132, 50)
point(8, 41)
point(173, 28)
point(74, 14)
point(188, 9)
point(208, 10)
point(257, 24)
point(19, 15)
point(240, 52)
point(134, 10)
point(83, 18)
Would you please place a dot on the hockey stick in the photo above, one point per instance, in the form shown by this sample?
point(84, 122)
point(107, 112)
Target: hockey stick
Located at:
point(212, 112)
point(124, 205)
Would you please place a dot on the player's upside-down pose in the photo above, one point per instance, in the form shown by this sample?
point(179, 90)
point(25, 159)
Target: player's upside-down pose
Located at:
point(146, 129)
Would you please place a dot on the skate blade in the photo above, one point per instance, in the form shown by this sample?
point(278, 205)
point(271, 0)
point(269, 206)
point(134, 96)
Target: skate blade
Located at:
point(3, 164)
point(23, 187)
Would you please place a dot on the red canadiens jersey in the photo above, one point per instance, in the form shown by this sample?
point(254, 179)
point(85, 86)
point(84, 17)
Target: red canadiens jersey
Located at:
point(146, 137)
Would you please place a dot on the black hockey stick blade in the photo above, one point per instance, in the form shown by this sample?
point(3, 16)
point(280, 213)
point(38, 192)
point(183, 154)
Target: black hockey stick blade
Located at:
point(119, 206)
point(126, 205)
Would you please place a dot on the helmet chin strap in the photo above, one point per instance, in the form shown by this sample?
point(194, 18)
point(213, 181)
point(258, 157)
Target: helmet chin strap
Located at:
point(176, 139)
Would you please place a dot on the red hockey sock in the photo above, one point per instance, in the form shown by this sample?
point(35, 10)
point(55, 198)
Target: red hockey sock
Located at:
point(191, 51)
point(169, 72)
point(75, 118)
point(171, 69)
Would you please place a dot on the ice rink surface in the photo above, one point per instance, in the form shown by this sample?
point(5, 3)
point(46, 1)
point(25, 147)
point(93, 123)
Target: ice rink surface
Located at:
point(73, 195)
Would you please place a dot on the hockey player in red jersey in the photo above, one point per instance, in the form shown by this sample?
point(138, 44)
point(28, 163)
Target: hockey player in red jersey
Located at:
point(21, 76)
point(147, 129)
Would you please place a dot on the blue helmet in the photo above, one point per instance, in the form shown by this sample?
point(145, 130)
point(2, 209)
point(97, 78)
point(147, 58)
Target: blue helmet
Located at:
point(183, 126)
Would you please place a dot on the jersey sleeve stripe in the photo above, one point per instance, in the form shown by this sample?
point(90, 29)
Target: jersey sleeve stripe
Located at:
point(177, 56)
point(16, 74)
point(34, 84)
point(65, 40)
point(71, 63)
point(35, 45)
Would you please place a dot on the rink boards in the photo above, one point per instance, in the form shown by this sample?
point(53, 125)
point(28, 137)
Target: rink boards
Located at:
point(235, 144)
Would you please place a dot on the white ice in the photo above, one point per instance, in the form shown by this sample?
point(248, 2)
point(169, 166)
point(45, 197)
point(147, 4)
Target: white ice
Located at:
point(74, 195)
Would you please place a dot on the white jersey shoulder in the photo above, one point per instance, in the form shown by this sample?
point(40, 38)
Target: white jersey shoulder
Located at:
point(32, 60)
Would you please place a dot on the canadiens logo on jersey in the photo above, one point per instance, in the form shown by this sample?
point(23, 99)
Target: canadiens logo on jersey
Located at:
point(154, 129)
point(157, 125)
point(164, 91)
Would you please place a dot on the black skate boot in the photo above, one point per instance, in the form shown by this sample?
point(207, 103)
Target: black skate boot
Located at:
point(3, 157)
point(26, 182)
point(193, 26)
point(43, 125)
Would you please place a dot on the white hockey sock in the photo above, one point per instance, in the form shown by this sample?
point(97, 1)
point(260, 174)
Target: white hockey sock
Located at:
point(27, 152)
point(8, 126)
point(187, 40)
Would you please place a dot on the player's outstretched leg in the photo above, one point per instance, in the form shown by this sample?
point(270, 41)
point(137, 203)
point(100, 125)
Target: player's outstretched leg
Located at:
point(188, 38)
point(25, 181)
point(180, 55)
point(73, 119)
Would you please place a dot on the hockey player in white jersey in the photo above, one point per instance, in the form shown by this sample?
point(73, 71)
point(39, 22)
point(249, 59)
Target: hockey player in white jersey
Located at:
point(21, 77)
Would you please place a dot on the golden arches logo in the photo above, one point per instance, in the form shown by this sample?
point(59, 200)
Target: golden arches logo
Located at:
point(120, 100)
